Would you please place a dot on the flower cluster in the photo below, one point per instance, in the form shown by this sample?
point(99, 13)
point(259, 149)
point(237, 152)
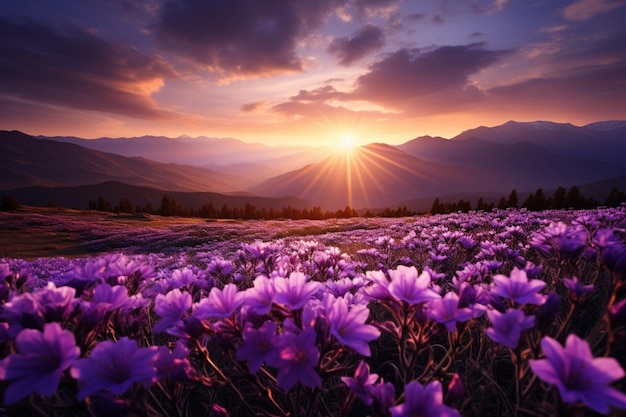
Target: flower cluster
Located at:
point(461, 314)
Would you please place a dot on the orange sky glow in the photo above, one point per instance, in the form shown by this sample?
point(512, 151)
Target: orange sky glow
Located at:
point(307, 73)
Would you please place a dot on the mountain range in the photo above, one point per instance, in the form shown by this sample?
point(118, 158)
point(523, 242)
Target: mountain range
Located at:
point(483, 161)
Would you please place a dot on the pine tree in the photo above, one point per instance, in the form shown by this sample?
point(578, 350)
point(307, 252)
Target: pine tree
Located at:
point(512, 200)
point(437, 207)
point(558, 199)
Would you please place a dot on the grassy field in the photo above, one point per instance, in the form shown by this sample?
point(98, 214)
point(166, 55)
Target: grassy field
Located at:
point(34, 232)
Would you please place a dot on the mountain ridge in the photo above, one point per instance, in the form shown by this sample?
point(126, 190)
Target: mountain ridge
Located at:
point(521, 155)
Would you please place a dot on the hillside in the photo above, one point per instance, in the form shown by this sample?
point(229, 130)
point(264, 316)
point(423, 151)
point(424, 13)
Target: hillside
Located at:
point(78, 197)
point(26, 161)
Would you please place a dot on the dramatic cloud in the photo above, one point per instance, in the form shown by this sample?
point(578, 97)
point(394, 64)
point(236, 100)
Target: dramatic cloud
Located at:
point(586, 9)
point(365, 41)
point(325, 93)
point(75, 68)
point(409, 76)
point(241, 37)
point(595, 93)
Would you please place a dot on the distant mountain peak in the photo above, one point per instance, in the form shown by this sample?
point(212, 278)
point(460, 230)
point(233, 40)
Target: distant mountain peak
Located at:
point(607, 125)
point(540, 125)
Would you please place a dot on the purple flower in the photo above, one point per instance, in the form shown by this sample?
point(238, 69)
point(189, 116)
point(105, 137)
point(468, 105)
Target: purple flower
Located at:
point(405, 285)
point(383, 396)
point(507, 327)
point(113, 297)
point(115, 366)
point(547, 312)
point(348, 326)
point(456, 389)
point(56, 304)
point(220, 268)
point(171, 307)
point(220, 303)
point(295, 290)
point(174, 364)
point(576, 289)
point(423, 401)
point(259, 298)
point(42, 358)
point(186, 278)
point(518, 288)
point(377, 287)
point(259, 345)
point(446, 311)
point(297, 360)
point(578, 375)
point(362, 383)
point(21, 312)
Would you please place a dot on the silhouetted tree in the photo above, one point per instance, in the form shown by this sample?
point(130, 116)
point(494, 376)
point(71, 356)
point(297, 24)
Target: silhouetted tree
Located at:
point(558, 199)
point(104, 205)
point(9, 203)
point(437, 207)
point(615, 197)
point(125, 206)
point(168, 206)
point(574, 199)
point(512, 201)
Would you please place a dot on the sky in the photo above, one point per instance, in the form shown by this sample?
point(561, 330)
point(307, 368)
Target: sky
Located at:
point(307, 72)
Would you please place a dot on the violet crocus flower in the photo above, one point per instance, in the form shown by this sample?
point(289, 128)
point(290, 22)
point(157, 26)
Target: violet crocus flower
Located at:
point(361, 384)
point(116, 366)
point(260, 297)
point(347, 324)
point(446, 311)
point(112, 297)
point(576, 290)
point(259, 346)
point(42, 358)
point(406, 286)
point(171, 307)
point(519, 288)
point(377, 286)
point(578, 375)
point(56, 304)
point(220, 303)
point(383, 394)
point(507, 327)
point(174, 364)
point(297, 360)
point(294, 291)
point(423, 401)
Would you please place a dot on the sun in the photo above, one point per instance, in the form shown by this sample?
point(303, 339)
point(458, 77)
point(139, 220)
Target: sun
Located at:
point(347, 143)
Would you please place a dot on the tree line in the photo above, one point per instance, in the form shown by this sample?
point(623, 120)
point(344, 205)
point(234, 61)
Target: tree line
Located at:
point(170, 207)
point(562, 198)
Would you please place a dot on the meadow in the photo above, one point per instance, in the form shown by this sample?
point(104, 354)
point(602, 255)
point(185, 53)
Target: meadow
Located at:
point(500, 313)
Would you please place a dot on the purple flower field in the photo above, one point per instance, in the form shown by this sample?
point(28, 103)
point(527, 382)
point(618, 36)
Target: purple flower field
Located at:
point(506, 313)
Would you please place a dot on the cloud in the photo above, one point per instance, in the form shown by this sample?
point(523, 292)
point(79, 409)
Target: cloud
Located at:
point(384, 8)
point(74, 68)
point(413, 75)
point(325, 93)
point(586, 9)
point(251, 107)
point(241, 37)
point(592, 93)
point(349, 50)
point(325, 113)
